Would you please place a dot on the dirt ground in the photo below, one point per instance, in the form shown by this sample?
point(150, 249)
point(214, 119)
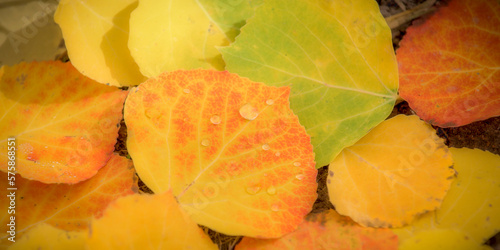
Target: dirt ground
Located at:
point(484, 135)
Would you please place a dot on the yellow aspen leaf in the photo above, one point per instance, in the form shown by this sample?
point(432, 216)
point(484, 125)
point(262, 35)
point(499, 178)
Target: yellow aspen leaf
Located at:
point(44, 236)
point(327, 230)
point(471, 207)
point(232, 151)
point(69, 207)
point(147, 222)
point(172, 35)
point(96, 34)
point(65, 125)
point(397, 171)
point(441, 239)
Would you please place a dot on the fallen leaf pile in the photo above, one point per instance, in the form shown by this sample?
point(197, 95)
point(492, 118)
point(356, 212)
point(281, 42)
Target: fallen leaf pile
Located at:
point(230, 107)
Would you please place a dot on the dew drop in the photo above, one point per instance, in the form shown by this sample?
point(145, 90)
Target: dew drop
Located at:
point(277, 154)
point(266, 147)
point(297, 164)
point(186, 91)
point(215, 119)
point(270, 102)
point(249, 112)
point(275, 208)
point(271, 190)
point(300, 176)
point(253, 190)
point(205, 142)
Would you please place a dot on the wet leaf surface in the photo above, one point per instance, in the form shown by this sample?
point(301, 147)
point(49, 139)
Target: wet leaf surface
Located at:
point(231, 150)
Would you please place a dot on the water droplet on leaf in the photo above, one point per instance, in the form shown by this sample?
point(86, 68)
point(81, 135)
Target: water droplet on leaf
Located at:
point(275, 208)
point(271, 190)
point(186, 91)
point(270, 102)
point(253, 190)
point(266, 147)
point(297, 164)
point(249, 112)
point(205, 142)
point(300, 176)
point(277, 154)
point(215, 119)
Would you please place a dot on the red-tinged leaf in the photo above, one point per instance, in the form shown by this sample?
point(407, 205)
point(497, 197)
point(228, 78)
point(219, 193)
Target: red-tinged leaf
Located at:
point(65, 125)
point(65, 206)
point(449, 66)
point(147, 222)
point(327, 230)
point(230, 149)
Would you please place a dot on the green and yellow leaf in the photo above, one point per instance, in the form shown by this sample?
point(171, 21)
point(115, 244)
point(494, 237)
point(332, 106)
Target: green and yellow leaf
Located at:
point(339, 64)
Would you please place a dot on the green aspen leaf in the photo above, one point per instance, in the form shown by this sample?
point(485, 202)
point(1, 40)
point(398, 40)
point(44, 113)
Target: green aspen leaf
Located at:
point(340, 65)
point(230, 15)
point(171, 35)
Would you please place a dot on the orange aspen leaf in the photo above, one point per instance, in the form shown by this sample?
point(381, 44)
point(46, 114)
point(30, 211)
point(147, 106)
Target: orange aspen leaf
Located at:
point(65, 125)
point(449, 66)
point(327, 230)
point(232, 151)
point(68, 207)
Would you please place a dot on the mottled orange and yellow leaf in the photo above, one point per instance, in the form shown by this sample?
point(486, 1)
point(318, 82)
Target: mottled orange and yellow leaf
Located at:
point(231, 150)
point(69, 207)
point(327, 230)
point(65, 125)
